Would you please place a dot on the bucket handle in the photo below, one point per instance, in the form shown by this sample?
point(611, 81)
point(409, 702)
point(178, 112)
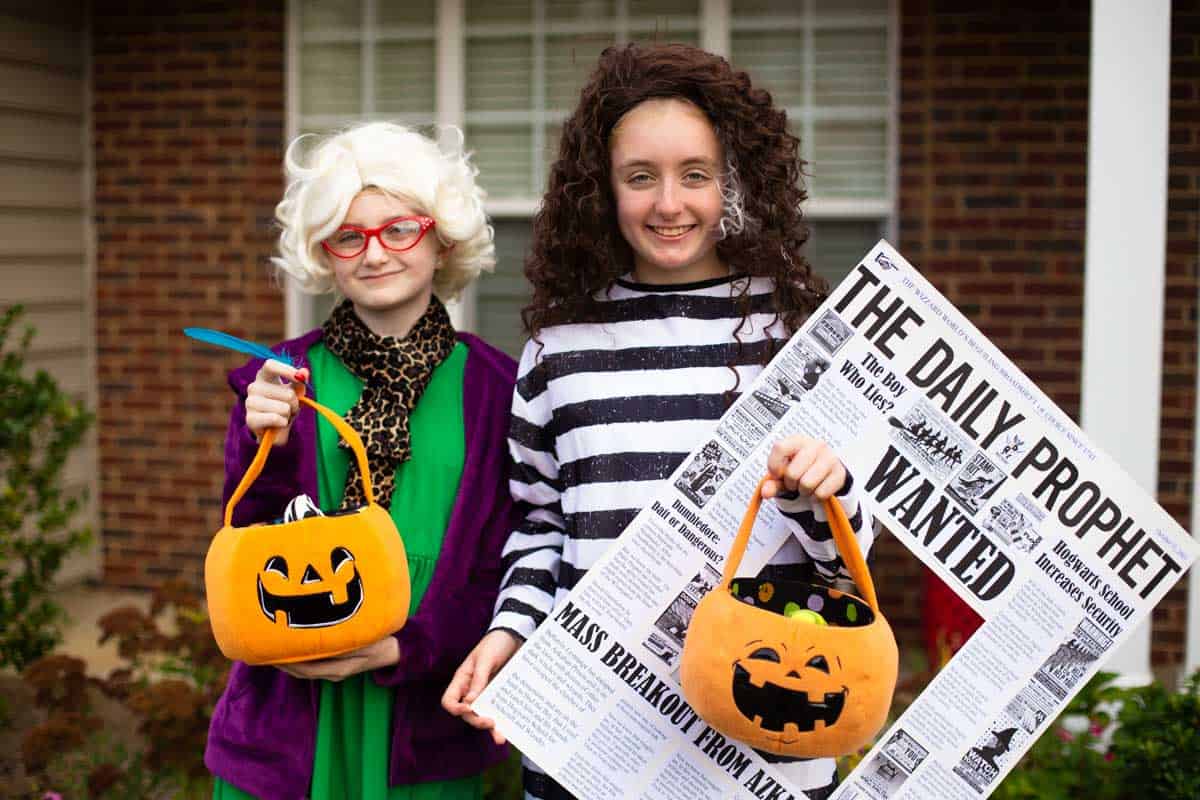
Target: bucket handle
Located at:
point(268, 437)
point(843, 536)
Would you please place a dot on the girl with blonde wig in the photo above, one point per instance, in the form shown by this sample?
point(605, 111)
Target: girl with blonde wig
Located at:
point(393, 224)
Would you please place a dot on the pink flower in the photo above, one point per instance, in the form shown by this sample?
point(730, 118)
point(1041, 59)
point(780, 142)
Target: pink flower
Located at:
point(52, 796)
point(1096, 729)
point(1109, 756)
point(1064, 734)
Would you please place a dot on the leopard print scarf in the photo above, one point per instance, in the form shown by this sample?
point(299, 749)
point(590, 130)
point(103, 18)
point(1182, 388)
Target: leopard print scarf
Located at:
point(394, 373)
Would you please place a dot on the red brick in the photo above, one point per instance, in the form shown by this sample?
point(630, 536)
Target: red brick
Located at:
point(159, 83)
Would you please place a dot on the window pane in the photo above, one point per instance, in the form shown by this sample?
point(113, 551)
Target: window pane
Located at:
point(499, 297)
point(639, 8)
point(574, 10)
point(406, 75)
point(569, 61)
point(839, 109)
point(850, 68)
point(499, 74)
point(660, 21)
point(330, 79)
point(848, 7)
point(499, 11)
point(835, 246)
point(515, 84)
point(775, 62)
point(504, 155)
point(663, 33)
point(319, 16)
point(821, 9)
point(406, 12)
point(743, 8)
point(849, 160)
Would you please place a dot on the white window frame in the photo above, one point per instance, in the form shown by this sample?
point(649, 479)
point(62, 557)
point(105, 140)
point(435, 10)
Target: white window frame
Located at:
point(451, 33)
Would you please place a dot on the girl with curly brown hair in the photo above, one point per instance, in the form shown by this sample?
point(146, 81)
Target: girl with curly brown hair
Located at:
point(666, 271)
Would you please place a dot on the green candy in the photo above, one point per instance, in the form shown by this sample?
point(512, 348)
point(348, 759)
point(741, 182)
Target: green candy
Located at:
point(794, 611)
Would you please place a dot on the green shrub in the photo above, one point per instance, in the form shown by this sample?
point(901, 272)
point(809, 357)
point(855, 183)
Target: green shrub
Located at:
point(1148, 751)
point(1157, 741)
point(39, 426)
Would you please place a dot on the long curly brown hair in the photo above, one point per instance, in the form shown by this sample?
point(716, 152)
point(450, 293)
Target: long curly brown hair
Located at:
point(577, 247)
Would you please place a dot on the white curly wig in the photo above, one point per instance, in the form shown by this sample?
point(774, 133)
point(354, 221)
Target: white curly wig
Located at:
point(325, 174)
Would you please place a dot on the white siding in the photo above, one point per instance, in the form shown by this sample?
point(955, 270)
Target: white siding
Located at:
point(46, 258)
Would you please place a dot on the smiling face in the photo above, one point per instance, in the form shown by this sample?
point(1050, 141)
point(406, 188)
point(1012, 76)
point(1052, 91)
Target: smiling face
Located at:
point(390, 290)
point(665, 169)
point(759, 667)
point(311, 599)
point(776, 689)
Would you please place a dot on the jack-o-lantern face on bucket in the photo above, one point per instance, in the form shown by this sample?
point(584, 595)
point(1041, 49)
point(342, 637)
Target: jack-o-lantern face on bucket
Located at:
point(778, 690)
point(310, 588)
point(783, 683)
point(793, 668)
point(312, 601)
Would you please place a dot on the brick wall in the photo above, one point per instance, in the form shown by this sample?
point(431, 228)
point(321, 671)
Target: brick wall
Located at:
point(1179, 337)
point(993, 177)
point(993, 133)
point(188, 132)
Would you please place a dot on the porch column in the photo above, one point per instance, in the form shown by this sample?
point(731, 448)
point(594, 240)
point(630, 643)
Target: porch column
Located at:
point(1191, 659)
point(1126, 247)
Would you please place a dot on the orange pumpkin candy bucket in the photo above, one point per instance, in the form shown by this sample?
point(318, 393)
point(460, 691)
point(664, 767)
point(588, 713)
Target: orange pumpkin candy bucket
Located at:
point(792, 668)
point(312, 588)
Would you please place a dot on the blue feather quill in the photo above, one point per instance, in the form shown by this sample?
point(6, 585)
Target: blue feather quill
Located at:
point(228, 341)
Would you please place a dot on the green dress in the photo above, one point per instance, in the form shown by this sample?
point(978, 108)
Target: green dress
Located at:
point(354, 729)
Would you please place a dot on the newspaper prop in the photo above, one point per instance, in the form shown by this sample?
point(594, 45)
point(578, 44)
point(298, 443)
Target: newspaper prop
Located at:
point(963, 459)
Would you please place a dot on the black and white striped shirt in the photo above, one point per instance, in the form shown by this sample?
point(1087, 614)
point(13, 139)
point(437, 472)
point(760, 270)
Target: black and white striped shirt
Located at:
point(604, 411)
point(607, 408)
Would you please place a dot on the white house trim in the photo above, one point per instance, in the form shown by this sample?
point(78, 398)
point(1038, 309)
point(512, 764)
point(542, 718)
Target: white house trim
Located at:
point(1191, 659)
point(715, 26)
point(451, 104)
point(297, 310)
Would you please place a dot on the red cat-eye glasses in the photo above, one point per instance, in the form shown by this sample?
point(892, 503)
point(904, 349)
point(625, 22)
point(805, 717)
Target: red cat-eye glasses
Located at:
point(397, 235)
